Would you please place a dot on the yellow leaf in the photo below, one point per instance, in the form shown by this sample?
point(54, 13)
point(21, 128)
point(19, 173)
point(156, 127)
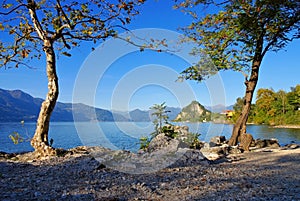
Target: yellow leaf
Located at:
point(7, 5)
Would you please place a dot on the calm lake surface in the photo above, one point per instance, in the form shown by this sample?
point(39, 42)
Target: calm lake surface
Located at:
point(125, 135)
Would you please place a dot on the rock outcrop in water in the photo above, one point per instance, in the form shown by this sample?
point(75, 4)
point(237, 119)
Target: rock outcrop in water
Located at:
point(194, 112)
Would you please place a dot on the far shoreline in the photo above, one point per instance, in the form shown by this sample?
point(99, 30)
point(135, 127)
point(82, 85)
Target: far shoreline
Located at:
point(286, 126)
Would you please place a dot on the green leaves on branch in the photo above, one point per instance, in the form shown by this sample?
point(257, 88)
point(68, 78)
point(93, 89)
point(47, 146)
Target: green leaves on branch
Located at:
point(161, 117)
point(64, 22)
point(239, 33)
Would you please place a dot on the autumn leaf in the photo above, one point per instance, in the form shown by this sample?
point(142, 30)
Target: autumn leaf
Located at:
point(24, 53)
point(7, 5)
point(66, 54)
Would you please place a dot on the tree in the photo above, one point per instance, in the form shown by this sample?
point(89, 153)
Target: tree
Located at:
point(294, 97)
point(52, 27)
point(265, 105)
point(236, 36)
point(276, 108)
point(160, 112)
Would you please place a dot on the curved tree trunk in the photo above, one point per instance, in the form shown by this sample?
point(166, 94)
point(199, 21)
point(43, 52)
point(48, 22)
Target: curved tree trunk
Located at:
point(240, 126)
point(40, 139)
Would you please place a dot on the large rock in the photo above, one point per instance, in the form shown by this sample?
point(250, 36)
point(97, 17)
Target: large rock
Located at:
point(215, 152)
point(189, 157)
point(182, 132)
point(161, 141)
point(218, 139)
point(271, 143)
point(217, 148)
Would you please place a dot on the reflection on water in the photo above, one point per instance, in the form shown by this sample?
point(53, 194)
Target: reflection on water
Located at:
point(125, 135)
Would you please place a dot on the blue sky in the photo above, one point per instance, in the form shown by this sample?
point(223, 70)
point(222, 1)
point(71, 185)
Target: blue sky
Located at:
point(141, 79)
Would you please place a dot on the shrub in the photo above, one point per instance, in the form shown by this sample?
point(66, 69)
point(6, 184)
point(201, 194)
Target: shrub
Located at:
point(144, 143)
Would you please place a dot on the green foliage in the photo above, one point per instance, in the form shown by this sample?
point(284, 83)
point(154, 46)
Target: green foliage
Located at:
point(144, 143)
point(16, 138)
point(161, 117)
point(239, 33)
point(194, 112)
point(193, 140)
point(273, 108)
point(218, 118)
point(169, 131)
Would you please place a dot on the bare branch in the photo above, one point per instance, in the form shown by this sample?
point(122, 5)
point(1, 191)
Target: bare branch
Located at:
point(64, 14)
point(13, 9)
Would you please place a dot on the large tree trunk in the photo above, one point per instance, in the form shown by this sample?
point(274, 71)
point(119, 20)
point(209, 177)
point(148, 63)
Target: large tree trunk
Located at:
point(40, 139)
point(240, 126)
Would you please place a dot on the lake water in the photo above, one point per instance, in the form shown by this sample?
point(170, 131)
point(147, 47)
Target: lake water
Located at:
point(125, 135)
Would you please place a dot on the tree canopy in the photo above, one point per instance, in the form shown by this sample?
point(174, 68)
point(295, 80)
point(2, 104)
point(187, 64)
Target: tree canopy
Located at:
point(24, 25)
point(238, 32)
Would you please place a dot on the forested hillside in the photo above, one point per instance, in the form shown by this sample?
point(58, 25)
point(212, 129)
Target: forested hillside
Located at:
point(273, 107)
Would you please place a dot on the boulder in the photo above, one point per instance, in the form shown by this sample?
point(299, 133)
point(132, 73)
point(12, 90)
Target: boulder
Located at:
point(216, 152)
point(271, 143)
point(218, 140)
point(189, 157)
point(161, 141)
point(234, 150)
point(292, 146)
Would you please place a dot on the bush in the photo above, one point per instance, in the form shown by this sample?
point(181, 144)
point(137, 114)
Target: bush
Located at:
point(169, 131)
point(193, 140)
point(144, 143)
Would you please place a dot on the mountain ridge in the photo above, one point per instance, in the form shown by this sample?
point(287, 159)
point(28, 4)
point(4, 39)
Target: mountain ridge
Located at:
point(16, 105)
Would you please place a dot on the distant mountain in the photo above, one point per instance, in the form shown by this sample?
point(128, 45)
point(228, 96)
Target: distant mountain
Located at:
point(87, 113)
point(138, 115)
point(16, 105)
point(194, 112)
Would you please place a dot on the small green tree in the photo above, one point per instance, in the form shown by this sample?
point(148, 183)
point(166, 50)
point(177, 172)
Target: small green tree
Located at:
point(17, 137)
point(161, 116)
point(236, 35)
point(32, 27)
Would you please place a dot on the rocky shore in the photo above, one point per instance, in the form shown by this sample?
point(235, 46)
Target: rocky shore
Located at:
point(261, 174)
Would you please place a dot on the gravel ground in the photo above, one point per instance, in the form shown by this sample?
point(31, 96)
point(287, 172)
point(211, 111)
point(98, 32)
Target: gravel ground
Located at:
point(256, 175)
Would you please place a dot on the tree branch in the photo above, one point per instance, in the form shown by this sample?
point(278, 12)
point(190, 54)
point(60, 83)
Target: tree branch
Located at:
point(12, 10)
point(64, 14)
point(37, 25)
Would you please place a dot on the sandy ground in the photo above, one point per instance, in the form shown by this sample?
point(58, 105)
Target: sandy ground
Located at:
point(257, 175)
